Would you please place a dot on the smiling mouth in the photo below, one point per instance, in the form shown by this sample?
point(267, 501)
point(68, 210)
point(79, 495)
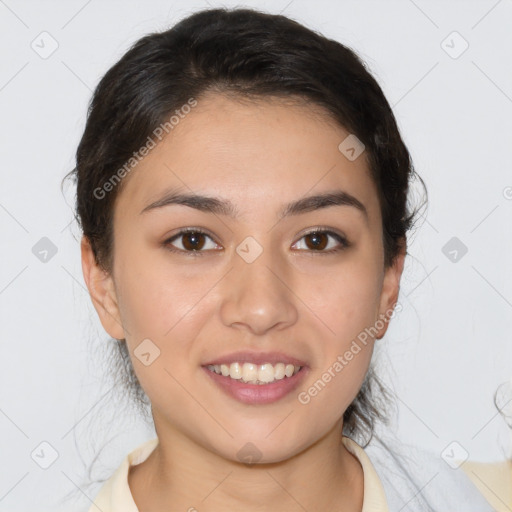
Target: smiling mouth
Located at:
point(250, 373)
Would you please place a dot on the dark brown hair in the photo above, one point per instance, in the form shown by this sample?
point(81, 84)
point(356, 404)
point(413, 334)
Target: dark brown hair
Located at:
point(247, 54)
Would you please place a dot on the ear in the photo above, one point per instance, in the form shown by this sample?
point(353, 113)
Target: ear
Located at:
point(390, 290)
point(102, 291)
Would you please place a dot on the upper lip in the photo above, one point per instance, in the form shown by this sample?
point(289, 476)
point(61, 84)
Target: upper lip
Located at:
point(256, 358)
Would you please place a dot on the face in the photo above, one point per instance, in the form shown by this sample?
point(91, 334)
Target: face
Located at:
point(265, 274)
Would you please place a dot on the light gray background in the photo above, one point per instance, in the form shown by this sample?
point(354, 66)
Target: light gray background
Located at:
point(444, 355)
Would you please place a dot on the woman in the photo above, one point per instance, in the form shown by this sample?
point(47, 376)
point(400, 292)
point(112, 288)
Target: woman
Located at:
point(242, 189)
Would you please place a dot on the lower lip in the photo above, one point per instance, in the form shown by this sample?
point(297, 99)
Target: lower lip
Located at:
point(257, 393)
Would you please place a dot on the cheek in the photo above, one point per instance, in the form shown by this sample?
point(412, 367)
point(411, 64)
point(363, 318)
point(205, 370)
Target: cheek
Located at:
point(156, 301)
point(345, 315)
point(163, 314)
point(333, 387)
point(345, 301)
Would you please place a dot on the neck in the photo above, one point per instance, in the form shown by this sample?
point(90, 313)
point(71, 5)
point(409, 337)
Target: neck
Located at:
point(185, 476)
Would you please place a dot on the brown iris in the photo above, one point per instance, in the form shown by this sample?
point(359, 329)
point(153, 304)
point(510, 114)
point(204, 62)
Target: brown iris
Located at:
point(193, 241)
point(316, 240)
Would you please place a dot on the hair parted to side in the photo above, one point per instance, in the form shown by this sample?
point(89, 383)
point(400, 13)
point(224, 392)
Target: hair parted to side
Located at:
point(248, 54)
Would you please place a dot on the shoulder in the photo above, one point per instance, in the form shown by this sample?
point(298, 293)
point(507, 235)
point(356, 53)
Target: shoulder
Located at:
point(493, 480)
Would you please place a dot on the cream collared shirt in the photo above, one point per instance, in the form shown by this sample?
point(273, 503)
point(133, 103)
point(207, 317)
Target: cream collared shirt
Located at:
point(494, 481)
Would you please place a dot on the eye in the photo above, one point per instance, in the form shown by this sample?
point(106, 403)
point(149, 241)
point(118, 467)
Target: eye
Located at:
point(193, 241)
point(317, 240)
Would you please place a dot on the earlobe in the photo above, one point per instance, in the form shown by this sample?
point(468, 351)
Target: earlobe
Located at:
point(102, 291)
point(390, 291)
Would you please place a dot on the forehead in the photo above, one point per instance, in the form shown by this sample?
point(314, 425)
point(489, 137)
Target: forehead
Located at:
point(256, 153)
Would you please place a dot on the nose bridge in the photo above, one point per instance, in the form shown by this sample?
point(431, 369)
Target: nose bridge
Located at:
point(256, 296)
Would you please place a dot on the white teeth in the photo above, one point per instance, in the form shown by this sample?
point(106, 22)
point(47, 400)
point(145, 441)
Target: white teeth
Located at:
point(255, 374)
point(266, 373)
point(235, 371)
point(279, 371)
point(249, 372)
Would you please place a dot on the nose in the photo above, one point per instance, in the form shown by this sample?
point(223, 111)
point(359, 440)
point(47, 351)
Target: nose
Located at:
point(257, 296)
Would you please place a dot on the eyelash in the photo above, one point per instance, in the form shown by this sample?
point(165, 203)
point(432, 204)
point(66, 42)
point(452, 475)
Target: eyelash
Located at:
point(317, 230)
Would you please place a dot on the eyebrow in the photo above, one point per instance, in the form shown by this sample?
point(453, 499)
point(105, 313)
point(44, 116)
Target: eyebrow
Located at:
point(225, 207)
